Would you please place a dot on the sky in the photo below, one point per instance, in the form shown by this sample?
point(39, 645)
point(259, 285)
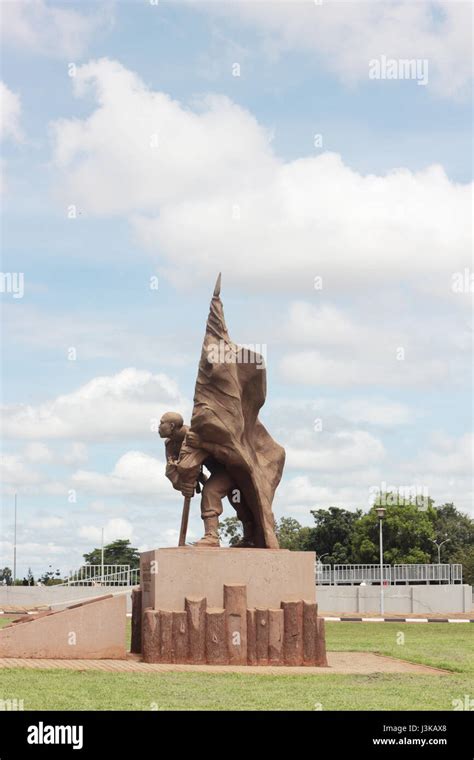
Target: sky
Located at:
point(148, 146)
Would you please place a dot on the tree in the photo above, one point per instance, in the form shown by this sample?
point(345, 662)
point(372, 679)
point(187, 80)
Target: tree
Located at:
point(6, 575)
point(407, 531)
point(50, 577)
point(465, 557)
point(288, 532)
point(119, 552)
point(448, 522)
point(332, 534)
point(230, 529)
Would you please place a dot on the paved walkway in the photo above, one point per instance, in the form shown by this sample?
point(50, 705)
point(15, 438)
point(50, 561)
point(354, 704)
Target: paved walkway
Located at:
point(345, 663)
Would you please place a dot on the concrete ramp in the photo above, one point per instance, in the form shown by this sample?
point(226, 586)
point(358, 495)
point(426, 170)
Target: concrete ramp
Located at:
point(95, 629)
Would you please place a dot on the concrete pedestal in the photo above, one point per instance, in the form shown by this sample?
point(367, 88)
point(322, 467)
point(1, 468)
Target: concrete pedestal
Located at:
point(270, 576)
point(228, 606)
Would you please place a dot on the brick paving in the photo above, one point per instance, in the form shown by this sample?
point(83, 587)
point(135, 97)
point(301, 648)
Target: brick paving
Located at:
point(346, 663)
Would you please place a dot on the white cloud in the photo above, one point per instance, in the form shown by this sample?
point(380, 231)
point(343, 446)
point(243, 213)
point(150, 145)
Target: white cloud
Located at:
point(313, 368)
point(448, 457)
point(345, 35)
point(38, 452)
point(59, 32)
point(378, 412)
point(105, 408)
point(15, 473)
point(214, 162)
point(322, 325)
point(75, 454)
point(349, 348)
point(113, 530)
point(298, 495)
point(18, 476)
point(442, 470)
point(10, 127)
point(101, 507)
point(373, 410)
point(339, 451)
point(47, 523)
point(135, 474)
point(10, 110)
point(93, 336)
point(197, 149)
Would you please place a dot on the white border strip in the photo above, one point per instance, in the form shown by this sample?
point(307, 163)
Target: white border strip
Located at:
point(373, 620)
point(396, 620)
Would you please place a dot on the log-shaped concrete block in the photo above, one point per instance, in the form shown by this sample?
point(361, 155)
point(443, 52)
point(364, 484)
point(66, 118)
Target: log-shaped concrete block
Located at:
point(251, 638)
point(151, 640)
point(179, 641)
point(216, 640)
point(321, 657)
point(262, 628)
point(275, 637)
point(310, 632)
point(166, 632)
point(293, 633)
point(195, 608)
point(235, 604)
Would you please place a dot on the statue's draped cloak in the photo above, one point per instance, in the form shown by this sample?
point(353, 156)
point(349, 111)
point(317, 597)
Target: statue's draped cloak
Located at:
point(227, 399)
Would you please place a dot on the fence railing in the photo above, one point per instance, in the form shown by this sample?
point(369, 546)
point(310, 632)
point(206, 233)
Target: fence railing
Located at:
point(392, 574)
point(103, 575)
point(456, 573)
point(325, 574)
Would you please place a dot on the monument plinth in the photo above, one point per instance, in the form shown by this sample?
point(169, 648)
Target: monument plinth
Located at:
point(228, 606)
point(270, 576)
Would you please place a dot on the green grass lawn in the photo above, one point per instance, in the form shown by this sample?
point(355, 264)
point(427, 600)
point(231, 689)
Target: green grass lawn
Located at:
point(440, 645)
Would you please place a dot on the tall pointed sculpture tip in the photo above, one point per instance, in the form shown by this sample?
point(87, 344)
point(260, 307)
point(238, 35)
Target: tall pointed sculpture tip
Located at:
point(217, 288)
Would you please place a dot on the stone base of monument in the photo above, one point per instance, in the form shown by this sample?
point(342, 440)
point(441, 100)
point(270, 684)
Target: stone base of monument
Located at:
point(228, 606)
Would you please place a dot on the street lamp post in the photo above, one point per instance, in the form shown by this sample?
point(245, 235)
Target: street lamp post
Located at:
point(438, 546)
point(381, 515)
point(102, 561)
point(14, 546)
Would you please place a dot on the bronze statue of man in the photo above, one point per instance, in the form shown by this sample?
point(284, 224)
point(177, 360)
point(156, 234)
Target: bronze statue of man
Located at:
point(214, 488)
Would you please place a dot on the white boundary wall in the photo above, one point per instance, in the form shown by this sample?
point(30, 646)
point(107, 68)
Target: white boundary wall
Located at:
point(402, 599)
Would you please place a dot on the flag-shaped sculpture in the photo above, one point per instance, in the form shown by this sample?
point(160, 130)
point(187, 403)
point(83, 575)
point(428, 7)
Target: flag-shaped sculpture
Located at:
point(230, 391)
